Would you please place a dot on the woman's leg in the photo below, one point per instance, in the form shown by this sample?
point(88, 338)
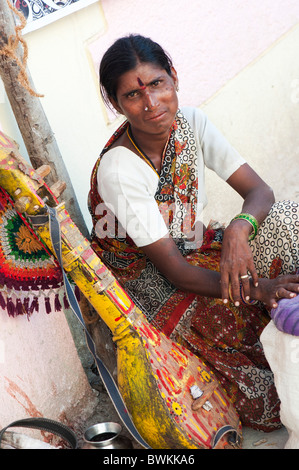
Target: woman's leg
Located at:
point(275, 248)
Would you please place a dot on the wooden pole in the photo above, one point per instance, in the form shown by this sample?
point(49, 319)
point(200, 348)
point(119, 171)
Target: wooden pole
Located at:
point(38, 137)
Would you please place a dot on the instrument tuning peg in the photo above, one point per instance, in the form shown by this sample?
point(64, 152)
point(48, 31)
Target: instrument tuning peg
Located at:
point(22, 204)
point(43, 170)
point(58, 188)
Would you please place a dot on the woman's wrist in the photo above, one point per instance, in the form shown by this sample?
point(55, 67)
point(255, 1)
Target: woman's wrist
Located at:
point(241, 227)
point(250, 223)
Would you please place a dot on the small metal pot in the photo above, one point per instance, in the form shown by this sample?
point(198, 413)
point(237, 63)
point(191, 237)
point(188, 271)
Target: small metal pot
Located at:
point(105, 436)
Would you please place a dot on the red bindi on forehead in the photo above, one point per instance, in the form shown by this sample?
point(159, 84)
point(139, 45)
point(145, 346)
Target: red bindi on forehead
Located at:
point(141, 84)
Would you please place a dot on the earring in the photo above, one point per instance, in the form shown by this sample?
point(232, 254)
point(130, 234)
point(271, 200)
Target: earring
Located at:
point(146, 108)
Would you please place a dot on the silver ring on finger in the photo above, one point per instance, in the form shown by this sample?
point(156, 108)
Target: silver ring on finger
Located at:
point(245, 276)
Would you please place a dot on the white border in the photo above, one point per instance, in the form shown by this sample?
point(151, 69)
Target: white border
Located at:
point(56, 15)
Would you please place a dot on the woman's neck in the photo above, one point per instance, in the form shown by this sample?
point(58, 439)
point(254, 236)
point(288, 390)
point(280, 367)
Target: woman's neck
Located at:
point(152, 145)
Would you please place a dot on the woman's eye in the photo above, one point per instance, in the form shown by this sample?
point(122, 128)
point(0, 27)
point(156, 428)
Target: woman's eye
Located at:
point(132, 94)
point(156, 83)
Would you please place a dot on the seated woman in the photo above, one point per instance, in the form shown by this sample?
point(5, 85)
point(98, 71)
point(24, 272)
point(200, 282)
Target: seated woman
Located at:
point(209, 289)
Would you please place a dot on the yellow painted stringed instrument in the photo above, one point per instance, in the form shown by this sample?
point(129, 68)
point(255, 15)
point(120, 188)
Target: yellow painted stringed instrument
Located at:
point(172, 397)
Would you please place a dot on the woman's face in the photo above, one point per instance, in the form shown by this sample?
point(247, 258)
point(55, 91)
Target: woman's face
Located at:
point(147, 97)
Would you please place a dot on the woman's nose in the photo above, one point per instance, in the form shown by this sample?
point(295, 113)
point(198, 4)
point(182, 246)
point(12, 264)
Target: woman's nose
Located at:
point(150, 100)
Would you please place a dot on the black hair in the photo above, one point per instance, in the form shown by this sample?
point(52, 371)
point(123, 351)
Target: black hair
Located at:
point(124, 56)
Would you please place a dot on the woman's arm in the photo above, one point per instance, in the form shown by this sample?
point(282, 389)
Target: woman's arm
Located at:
point(236, 256)
point(168, 259)
point(236, 253)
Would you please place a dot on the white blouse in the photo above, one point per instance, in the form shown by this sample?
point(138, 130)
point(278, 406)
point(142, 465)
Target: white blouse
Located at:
point(128, 184)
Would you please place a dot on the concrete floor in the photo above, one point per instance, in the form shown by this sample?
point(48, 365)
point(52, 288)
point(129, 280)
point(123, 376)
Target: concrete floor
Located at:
point(261, 440)
point(251, 439)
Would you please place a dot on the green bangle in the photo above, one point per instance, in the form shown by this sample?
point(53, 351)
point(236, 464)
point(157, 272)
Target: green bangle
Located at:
point(252, 220)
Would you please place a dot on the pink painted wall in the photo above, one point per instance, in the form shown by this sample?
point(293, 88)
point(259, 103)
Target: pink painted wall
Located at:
point(209, 41)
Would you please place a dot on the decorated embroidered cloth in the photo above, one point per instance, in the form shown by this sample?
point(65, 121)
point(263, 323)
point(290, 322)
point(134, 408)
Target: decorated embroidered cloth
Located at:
point(30, 278)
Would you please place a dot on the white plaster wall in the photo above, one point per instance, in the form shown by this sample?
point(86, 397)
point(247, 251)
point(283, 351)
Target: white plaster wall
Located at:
point(259, 112)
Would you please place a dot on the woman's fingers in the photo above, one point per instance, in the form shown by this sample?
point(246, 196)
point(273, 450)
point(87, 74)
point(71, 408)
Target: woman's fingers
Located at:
point(248, 278)
point(237, 270)
point(281, 293)
point(225, 286)
point(236, 284)
point(235, 290)
point(283, 287)
point(231, 284)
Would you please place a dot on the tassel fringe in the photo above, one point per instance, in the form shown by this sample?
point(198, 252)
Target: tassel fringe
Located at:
point(65, 302)
point(10, 307)
point(19, 307)
point(2, 301)
point(16, 304)
point(57, 304)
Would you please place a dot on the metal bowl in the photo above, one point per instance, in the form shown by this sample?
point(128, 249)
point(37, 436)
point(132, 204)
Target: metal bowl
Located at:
point(106, 435)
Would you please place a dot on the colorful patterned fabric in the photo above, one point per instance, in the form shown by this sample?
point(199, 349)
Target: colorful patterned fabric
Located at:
point(225, 336)
point(28, 271)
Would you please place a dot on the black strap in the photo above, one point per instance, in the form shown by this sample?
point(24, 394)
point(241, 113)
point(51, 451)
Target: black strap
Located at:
point(105, 375)
point(234, 438)
point(45, 424)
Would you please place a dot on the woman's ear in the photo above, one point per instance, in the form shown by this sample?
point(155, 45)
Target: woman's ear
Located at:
point(174, 76)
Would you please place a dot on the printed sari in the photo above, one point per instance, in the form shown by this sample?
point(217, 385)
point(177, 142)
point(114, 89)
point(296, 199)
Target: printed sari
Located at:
point(225, 336)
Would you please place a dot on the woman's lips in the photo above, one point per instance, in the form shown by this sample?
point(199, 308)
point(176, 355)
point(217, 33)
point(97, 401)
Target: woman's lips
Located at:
point(156, 117)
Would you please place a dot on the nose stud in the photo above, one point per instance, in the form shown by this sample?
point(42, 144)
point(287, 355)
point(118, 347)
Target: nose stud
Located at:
point(146, 108)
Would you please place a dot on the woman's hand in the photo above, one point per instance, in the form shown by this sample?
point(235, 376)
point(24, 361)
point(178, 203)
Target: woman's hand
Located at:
point(236, 256)
point(269, 291)
point(236, 262)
